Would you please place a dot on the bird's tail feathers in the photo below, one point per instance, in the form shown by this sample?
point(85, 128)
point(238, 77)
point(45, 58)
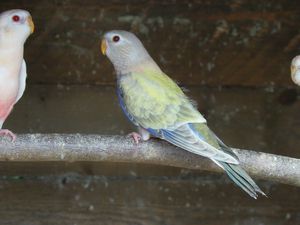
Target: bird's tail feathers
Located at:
point(239, 176)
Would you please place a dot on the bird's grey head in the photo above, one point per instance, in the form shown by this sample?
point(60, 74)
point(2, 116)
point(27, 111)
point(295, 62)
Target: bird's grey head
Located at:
point(124, 50)
point(15, 27)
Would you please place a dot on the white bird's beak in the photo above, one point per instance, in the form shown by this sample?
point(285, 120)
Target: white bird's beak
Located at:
point(31, 24)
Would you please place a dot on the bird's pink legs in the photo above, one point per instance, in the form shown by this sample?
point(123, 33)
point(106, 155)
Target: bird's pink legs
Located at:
point(6, 132)
point(136, 137)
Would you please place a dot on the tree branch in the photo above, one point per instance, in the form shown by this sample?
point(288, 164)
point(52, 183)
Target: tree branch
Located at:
point(77, 147)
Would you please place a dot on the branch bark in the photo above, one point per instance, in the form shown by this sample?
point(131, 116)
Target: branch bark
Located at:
point(100, 148)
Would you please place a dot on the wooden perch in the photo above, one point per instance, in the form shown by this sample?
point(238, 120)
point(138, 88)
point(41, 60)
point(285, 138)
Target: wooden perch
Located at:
point(78, 147)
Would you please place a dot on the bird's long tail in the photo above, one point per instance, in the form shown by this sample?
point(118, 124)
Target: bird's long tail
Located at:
point(239, 176)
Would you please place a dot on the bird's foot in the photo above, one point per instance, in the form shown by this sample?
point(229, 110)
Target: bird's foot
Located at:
point(136, 137)
point(6, 132)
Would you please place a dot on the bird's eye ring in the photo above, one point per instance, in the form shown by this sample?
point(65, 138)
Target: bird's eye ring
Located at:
point(116, 38)
point(16, 18)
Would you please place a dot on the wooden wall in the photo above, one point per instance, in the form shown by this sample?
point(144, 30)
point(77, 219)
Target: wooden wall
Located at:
point(233, 55)
point(237, 42)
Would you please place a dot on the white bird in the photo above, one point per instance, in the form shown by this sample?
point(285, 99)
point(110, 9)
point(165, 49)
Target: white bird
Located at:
point(15, 27)
point(295, 70)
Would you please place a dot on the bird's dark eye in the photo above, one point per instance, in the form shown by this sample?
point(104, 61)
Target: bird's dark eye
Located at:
point(16, 18)
point(116, 38)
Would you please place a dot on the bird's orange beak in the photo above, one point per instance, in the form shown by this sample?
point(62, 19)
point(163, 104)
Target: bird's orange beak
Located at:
point(103, 46)
point(31, 24)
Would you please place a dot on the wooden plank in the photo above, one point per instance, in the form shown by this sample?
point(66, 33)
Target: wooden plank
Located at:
point(249, 43)
point(18, 170)
point(75, 199)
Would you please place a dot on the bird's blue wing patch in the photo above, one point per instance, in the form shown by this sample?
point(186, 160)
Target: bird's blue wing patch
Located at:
point(193, 129)
point(123, 107)
point(154, 132)
point(173, 135)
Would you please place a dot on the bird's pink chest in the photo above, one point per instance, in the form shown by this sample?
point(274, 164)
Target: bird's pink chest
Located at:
point(8, 94)
point(5, 108)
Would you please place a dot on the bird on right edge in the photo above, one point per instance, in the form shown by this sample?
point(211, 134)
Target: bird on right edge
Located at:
point(295, 70)
point(158, 107)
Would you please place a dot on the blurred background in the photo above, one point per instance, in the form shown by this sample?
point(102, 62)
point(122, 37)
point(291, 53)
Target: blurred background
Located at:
point(234, 58)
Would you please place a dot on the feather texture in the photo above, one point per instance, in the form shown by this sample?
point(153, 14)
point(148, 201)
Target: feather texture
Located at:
point(22, 81)
point(155, 101)
point(152, 101)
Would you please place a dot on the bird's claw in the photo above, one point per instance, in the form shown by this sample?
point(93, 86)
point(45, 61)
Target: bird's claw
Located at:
point(136, 137)
point(6, 132)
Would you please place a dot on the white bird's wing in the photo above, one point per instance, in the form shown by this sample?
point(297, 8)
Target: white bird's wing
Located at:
point(22, 81)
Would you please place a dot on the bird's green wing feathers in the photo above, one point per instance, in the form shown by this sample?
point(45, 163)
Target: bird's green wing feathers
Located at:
point(156, 102)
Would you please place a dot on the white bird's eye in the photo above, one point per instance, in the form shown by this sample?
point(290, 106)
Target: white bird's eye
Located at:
point(116, 38)
point(16, 18)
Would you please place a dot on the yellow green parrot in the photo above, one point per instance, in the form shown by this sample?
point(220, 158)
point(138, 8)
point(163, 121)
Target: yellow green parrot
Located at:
point(158, 107)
